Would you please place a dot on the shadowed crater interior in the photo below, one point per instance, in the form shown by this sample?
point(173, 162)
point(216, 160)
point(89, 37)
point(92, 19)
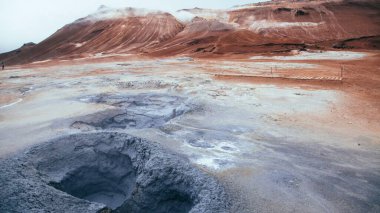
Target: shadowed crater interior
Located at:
point(109, 180)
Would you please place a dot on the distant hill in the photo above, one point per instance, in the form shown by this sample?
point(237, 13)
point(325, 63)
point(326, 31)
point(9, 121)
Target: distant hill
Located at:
point(263, 27)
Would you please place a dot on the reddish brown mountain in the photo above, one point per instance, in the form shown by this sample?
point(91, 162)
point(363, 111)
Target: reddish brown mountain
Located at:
point(107, 31)
point(263, 27)
point(281, 26)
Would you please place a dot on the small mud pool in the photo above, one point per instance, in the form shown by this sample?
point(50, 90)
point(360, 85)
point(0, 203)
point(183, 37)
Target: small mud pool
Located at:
point(106, 172)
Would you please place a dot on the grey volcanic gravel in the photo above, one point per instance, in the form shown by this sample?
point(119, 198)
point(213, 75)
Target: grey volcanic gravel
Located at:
point(105, 172)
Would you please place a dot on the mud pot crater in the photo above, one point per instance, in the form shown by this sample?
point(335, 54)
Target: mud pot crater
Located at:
point(134, 111)
point(106, 172)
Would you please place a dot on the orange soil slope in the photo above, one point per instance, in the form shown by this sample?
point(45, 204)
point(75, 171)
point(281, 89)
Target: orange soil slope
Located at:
point(264, 27)
point(110, 35)
point(282, 26)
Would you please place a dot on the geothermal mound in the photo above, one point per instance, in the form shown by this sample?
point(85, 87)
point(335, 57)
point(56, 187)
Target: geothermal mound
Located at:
point(134, 111)
point(105, 172)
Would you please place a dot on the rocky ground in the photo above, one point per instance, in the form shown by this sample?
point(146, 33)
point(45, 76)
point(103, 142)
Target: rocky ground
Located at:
point(267, 134)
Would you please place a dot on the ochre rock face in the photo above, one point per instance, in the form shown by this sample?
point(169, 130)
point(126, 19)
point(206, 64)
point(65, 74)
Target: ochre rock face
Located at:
point(262, 27)
point(312, 21)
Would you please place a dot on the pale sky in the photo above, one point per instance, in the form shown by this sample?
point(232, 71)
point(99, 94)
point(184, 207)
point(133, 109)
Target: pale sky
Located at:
point(23, 21)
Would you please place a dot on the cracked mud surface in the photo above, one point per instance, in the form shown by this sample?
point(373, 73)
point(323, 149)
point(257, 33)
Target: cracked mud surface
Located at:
point(106, 171)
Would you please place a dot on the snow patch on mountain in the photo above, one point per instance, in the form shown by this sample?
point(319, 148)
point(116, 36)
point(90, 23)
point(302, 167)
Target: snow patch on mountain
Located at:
point(258, 25)
point(209, 14)
point(183, 16)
